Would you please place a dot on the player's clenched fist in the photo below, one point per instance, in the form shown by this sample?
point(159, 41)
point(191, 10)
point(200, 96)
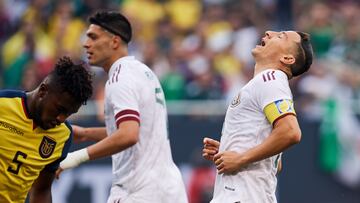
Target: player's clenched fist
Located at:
point(211, 147)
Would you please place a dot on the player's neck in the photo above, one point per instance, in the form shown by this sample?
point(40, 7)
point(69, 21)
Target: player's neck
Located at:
point(113, 59)
point(30, 102)
point(259, 67)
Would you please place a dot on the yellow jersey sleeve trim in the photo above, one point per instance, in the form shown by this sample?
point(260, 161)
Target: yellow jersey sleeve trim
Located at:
point(279, 109)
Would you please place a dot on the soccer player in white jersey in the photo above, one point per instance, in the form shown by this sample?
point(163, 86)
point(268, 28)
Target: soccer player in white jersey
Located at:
point(135, 118)
point(260, 122)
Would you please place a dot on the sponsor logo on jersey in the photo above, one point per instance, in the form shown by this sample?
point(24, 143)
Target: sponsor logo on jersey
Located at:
point(229, 188)
point(47, 147)
point(11, 128)
point(236, 101)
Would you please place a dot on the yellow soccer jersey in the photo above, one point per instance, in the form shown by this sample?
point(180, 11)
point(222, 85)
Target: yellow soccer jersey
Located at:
point(25, 150)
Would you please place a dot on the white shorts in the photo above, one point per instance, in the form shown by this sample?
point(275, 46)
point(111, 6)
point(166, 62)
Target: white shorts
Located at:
point(168, 190)
point(118, 195)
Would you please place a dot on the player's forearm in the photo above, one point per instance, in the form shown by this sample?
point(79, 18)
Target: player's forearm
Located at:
point(94, 134)
point(126, 136)
point(40, 197)
point(112, 145)
point(281, 138)
point(105, 147)
point(41, 189)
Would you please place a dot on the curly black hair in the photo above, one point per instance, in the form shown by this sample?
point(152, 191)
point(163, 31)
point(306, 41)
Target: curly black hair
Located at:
point(72, 78)
point(114, 22)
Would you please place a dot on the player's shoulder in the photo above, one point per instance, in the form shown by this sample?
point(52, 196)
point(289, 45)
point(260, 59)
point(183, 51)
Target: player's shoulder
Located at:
point(130, 70)
point(12, 94)
point(128, 62)
point(120, 72)
point(11, 98)
point(128, 66)
point(269, 80)
point(68, 131)
point(67, 126)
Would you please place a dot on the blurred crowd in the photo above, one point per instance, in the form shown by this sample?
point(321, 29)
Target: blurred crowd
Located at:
point(200, 49)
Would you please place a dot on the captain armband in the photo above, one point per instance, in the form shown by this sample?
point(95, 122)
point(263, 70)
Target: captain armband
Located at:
point(279, 109)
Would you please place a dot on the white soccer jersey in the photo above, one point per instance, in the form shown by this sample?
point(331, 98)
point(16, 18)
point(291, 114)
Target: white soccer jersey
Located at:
point(247, 126)
point(144, 172)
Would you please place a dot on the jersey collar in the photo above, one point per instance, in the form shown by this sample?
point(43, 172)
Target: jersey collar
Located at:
point(25, 107)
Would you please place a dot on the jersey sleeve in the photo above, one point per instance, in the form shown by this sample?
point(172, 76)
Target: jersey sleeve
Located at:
point(274, 95)
point(125, 98)
point(55, 165)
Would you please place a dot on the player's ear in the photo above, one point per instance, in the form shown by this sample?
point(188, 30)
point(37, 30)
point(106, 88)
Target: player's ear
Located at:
point(287, 59)
point(43, 89)
point(116, 42)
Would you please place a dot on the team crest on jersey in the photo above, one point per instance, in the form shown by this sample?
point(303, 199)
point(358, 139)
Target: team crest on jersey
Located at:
point(236, 101)
point(149, 75)
point(47, 147)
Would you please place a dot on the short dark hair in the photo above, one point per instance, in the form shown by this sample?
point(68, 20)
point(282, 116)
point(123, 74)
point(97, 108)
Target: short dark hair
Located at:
point(114, 22)
point(304, 57)
point(72, 78)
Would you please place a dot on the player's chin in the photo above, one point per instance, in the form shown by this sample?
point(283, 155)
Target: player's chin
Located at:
point(256, 49)
point(92, 62)
point(44, 127)
point(48, 126)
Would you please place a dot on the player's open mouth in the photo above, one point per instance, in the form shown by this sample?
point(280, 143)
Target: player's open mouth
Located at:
point(89, 54)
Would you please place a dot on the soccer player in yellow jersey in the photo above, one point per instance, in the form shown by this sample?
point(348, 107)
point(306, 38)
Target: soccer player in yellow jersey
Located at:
point(260, 122)
point(35, 135)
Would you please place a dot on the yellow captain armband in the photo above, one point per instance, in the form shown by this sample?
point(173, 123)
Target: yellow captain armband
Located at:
point(279, 109)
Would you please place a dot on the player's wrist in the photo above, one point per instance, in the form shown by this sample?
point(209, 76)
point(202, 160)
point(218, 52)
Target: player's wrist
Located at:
point(75, 158)
point(242, 160)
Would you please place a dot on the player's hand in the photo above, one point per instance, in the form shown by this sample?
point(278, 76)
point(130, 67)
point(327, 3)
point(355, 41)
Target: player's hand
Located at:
point(227, 162)
point(279, 168)
point(211, 147)
point(58, 172)
point(78, 134)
